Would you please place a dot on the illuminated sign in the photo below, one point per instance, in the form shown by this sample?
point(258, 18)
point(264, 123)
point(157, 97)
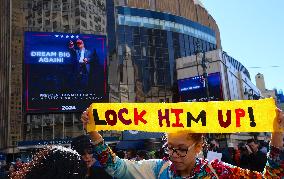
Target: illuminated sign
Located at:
point(64, 72)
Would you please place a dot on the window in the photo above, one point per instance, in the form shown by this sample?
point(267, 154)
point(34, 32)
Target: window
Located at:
point(39, 21)
point(65, 18)
point(77, 12)
point(47, 22)
point(121, 20)
point(77, 22)
point(83, 5)
point(54, 25)
point(83, 14)
point(47, 14)
point(83, 23)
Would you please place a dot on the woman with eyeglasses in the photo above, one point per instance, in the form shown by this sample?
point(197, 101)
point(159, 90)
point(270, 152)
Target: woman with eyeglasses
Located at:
point(183, 148)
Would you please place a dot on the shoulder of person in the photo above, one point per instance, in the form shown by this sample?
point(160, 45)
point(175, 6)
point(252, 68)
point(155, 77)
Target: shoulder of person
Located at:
point(161, 166)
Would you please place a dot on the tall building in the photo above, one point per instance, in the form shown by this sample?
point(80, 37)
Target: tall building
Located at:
point(79, 16)
point(260, 83)
point(259, 79)
point(148, 36)
point(5, 74)
point(18, 16)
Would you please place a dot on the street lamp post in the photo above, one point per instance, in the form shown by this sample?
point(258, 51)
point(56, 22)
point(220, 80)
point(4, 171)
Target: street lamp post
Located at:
point(201, 53)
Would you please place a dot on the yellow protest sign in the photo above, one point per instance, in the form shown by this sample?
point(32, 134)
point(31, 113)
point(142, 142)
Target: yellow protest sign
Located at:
point(198, 117)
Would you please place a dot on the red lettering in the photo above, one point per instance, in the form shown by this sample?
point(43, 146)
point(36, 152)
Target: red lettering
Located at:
point(139, 117)
point(121, 118)
point(239, 113)
point(166, 117)
point(107, 116)
point(221, 121)
point(177, 112)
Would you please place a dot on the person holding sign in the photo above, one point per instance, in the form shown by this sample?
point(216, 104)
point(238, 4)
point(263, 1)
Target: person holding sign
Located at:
point(183, 148)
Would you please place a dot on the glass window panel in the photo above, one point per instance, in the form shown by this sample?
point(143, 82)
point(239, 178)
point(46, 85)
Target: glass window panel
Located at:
point(157, 22)
point(167, 25)
point(139, 20)
point(121, 19)
point(181, 28)
point(151, 21)
point(127, 20)
point(162, 24)
point(145, 20)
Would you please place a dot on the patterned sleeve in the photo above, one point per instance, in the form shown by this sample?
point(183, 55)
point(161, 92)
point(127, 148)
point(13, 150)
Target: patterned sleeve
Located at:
point(274, 167)
point(122, 168)
point(275, 163)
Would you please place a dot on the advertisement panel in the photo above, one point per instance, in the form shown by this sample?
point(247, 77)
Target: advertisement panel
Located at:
point(193, 89)
point(64, 72)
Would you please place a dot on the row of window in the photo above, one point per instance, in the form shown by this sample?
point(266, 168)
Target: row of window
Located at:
point(154, 50)
point(164, 25)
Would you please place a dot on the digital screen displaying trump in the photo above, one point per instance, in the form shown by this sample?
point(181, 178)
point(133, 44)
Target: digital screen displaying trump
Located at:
point(64, 71)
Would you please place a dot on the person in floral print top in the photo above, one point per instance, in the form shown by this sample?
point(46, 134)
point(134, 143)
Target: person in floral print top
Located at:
point(183, 163)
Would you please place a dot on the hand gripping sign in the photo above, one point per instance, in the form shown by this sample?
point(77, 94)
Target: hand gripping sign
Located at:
point(198, 117)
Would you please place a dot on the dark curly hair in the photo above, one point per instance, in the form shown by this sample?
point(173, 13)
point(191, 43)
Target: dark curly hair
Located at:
point(54, 162)
point(82, 144)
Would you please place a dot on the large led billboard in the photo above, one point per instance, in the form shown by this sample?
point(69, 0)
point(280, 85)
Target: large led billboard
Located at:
point(63, 71)
point(193, 89)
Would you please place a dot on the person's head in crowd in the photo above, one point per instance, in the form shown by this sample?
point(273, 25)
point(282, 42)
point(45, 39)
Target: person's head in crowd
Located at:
point(84, 146)
point(18, 163)
point(12, 168)
point(253, 145)
point(54, 162)
point(214, 145)
point(263, 144)
point(242, 146)
point(131, 154)
point(120, 154)
point(183, 148)
point(142, 155)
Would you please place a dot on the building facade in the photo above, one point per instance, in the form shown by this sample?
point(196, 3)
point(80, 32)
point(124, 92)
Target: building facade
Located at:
point(5, 74)
point(146, 40)
point(18, 16)
point(228, 79)
point(232, 81)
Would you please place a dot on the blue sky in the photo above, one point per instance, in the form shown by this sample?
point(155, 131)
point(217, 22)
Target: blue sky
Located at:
point(252, 32)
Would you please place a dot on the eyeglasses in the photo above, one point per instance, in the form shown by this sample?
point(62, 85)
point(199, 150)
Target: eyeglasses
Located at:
point(179, 151)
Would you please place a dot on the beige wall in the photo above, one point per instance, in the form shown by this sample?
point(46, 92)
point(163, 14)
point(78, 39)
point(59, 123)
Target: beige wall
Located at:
point(259, 79)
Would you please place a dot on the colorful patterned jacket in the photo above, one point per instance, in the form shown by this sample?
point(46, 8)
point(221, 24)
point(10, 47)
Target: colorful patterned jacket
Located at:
point(157, 168)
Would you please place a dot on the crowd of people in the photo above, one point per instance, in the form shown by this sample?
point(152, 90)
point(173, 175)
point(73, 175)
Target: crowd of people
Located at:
point(250, 155)
point(89, 157)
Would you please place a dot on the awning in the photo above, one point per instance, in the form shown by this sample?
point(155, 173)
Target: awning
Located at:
point(124, 145)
